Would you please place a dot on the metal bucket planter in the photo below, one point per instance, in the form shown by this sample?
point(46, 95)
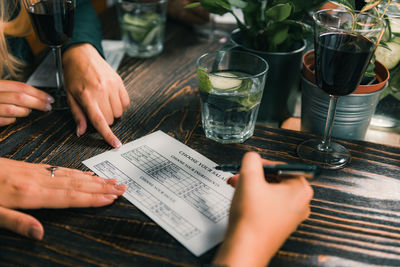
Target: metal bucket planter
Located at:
point(353, 112)
point(282, 82)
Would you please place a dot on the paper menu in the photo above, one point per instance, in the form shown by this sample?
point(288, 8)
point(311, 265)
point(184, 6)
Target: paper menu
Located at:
point(174, 185)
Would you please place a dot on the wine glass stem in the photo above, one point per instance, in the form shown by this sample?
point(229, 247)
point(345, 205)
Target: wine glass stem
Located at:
point(326, 142)
point(59, 68)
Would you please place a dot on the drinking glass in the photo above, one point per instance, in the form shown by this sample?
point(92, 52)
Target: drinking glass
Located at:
point(142, 23)
point(53, 22)
point(344, 44)
point(231, 84)
point(211, 30)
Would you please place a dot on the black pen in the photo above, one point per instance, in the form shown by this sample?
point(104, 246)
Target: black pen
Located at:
point(278, 170)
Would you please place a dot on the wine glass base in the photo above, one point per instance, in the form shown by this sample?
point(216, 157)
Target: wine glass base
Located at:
point(336, 157)
point(60, 100)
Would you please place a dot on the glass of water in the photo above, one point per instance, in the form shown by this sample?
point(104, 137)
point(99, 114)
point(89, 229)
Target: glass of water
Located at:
point(142, 25)
point(231, 85)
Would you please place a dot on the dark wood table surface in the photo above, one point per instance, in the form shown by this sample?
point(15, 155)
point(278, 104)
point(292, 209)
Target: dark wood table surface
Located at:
point(355, 218)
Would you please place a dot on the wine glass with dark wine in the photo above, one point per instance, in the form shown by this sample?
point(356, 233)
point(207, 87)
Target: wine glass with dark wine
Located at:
point(53, 22)
point(344, 44)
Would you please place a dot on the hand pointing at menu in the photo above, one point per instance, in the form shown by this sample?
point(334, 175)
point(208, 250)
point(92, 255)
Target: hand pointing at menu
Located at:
point(95, 92)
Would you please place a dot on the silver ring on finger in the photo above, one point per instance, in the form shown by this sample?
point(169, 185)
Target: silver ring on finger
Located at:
point(52, 170)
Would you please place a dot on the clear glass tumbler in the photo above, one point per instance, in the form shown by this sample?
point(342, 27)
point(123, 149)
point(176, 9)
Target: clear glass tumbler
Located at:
point(142, 25)
point(231, 85)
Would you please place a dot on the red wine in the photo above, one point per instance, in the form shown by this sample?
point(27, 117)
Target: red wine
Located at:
point(341, 60)
point(53, 21)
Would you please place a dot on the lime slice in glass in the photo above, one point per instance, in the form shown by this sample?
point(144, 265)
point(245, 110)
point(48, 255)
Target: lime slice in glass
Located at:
point(225, 81)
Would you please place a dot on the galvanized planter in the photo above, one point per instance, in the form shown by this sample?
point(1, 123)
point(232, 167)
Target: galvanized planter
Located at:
point(282, 82)
point(353, 112)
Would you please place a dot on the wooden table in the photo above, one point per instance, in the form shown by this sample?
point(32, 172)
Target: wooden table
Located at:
point(355, 215)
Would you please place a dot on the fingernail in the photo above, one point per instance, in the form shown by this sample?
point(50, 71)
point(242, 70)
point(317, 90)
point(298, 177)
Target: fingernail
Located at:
point(111, 196)
point(110, 181)
point(48, 107)
point(77, 132)
point(116, 143)
point(229, 181)
point(120, 187)
point(35, 233)
point(50, 99)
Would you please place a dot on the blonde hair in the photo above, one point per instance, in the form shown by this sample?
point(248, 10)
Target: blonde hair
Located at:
point(20, 26)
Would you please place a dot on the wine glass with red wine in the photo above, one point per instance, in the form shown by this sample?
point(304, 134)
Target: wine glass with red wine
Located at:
point(344, 44)
point(53, 22)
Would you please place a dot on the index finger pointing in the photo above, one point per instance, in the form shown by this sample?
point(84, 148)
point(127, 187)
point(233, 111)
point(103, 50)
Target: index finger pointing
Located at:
point(101, 125)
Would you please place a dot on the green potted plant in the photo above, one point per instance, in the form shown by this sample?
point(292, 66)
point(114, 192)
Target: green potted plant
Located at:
point(273, 30)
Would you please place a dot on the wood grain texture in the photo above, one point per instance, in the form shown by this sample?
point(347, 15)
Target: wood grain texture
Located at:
point(355, 219)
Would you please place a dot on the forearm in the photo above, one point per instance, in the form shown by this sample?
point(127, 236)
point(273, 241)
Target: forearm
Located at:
point(75, 52)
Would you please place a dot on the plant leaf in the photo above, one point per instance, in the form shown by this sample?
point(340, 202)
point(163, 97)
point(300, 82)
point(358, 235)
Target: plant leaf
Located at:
point(280, 36)
point(369, 72)
point(370, 4)
point(238, 3)
point(219, 7)
point(279, 12)
point(192, 5)
point(252, 15)
point(299, 30)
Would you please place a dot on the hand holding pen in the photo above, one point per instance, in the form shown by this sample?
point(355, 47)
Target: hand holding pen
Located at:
point(275, 173)
point(262, 215)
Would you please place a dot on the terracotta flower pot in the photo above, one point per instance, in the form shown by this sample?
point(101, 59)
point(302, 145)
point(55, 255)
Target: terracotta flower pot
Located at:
point(382, 74)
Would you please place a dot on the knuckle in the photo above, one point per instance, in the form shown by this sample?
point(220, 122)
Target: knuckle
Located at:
point(102, 85)
point(19, 188)
point(21, 87)
point(19, 191)
point(76, 183)
point(84, 95)
point(69, 194)
point(97, 118)
point(110, 120)
point(106, 188)
point(9, 110)
point(95, 198)
point(19, 98)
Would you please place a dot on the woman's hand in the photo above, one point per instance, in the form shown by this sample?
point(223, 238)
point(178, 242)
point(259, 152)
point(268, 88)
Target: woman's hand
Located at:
point(94, 91)
point(176, 10)
point(30, 186)
point(17, 99)
point(262, 216)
